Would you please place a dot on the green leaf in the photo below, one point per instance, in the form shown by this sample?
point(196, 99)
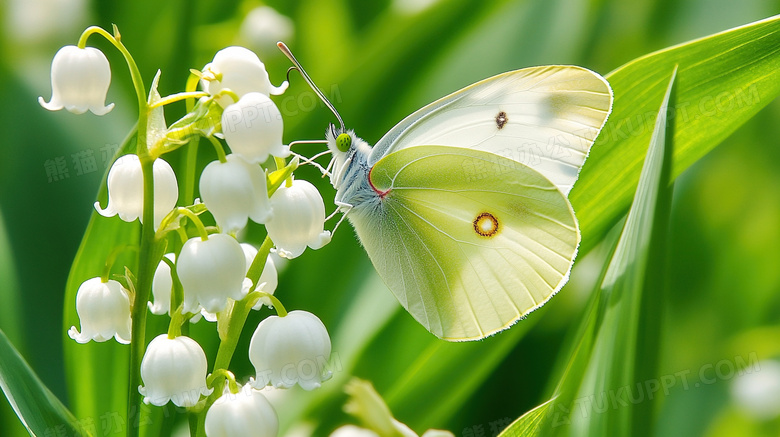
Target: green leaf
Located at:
point(40, 411)
point(723, 80)
point(529, 423)
point(619, 343)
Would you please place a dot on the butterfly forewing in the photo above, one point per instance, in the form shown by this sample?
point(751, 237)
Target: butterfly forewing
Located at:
point(469, 242)
point(544, 117)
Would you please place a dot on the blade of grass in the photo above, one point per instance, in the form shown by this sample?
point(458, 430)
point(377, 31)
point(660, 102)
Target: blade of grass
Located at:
point(38, 409)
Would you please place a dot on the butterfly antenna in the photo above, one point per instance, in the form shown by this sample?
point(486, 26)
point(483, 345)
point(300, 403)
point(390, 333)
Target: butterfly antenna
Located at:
point(286, 50)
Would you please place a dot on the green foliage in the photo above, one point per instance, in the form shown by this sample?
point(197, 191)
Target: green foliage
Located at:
point(40, 411)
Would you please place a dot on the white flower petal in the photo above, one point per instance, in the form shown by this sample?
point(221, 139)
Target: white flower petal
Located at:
point(104, 312)
point(299, 218)
point(239, 70)
point(126, 190)
point(246, 413)
point(211, 271)
point(79, 80)
point(174, 370)
point(253, 128)
point(235, 191)
point(290, 350)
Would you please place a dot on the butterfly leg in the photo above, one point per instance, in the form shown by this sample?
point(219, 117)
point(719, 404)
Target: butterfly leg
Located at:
point(305, 160)
point(343, 208)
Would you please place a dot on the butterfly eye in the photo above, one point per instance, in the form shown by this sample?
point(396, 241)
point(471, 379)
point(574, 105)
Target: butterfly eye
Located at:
point(343, 142)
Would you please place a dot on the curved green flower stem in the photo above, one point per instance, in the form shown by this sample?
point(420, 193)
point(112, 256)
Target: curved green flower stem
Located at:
point(225, 375)
point(202, 232)
point(256, 295)
point(192, 84)
point(189, 172)
point(256, 269)
point(111, 259)
point(219, 149)
point(178, 97)
point(135, 76)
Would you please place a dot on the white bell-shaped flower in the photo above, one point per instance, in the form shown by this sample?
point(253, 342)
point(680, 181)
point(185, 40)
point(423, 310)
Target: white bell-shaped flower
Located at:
point(289, 350)
point(299, 218)
point(79, 81)
point(269, 279)
point(246, 413)
point(126, 190)
point(162, 287)
point(211, 271)
point(104, 312)
point(239, 70)
point(263, 26)
point(253, 128)
point(173, 370)
point(235, 191)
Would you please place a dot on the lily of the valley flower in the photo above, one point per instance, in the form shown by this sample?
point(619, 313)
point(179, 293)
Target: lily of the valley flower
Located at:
point(235, 191)
point(299, 218)
point(253, 128)
point(246, 413)
point(269, 279)
point(173, 370)
point(289, 350)
point(79, 81)
point(239, 70)
point(104, 312)
point(126, 190)
point(162, 287)
point(211, 271)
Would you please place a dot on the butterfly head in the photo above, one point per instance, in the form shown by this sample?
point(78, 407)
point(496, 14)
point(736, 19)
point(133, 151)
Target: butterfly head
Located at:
point(343, 143)
point(346, 149)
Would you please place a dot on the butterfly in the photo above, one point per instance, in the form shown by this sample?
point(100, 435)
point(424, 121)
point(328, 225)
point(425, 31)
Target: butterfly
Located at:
point(462, 207)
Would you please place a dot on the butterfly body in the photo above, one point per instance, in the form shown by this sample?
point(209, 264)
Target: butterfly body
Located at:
point(462, 207)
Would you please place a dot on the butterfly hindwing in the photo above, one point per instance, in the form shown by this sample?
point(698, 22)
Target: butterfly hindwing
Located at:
point(469, 242)
point(544, 117)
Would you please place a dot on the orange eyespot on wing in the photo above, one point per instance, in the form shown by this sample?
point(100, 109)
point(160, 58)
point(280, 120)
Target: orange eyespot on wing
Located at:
point(486, 225)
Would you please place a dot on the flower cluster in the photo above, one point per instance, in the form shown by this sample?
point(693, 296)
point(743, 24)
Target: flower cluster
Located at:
point(212, 276)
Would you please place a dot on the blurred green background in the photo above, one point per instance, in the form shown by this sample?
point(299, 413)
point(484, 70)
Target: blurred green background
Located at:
point(378, 61)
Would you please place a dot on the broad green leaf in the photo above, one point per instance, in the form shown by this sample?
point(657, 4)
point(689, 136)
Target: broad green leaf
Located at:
point(619, 338)
point(723, 80)
point(40, 411)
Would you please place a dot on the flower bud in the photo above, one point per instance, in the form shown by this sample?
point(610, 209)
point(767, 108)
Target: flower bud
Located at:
point(246, 413)
point(289, 350)
point(79, 81)
point(235, 191)
point(126, 190)
point(211, 271)
point(253, 128)
point(269, 279)
point(299, 219)
point(104, 312)
point(173, 370)
point(239, 70)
